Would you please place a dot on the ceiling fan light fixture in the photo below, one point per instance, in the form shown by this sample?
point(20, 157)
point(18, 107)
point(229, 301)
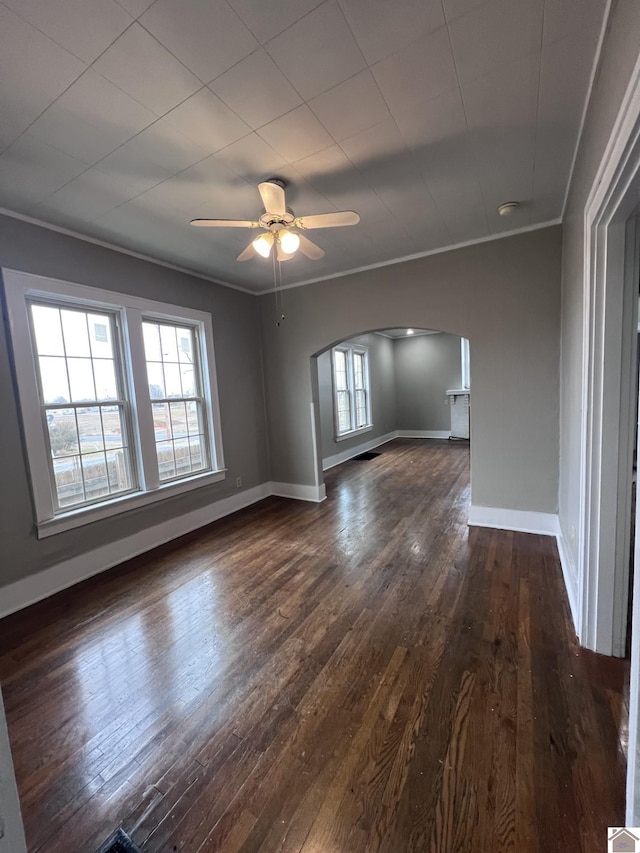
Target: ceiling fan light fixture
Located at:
point(262, 244)
point(289, 241)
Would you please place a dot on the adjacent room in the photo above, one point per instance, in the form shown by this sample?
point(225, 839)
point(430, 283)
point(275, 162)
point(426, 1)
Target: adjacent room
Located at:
point(318, 373)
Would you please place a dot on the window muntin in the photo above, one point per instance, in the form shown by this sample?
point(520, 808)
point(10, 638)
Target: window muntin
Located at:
point(81, 396)
point(351, 390)
point(82, 403)
point(177, 402)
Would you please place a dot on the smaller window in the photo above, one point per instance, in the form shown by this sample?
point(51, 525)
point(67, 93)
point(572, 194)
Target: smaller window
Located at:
point(351, 389)
point(177, 400)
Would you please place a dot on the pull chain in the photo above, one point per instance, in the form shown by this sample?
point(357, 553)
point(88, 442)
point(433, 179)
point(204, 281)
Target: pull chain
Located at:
point(277, 281)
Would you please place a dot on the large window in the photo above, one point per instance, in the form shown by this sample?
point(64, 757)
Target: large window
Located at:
point(351, 390)
point(83, 403)
point(118, 399)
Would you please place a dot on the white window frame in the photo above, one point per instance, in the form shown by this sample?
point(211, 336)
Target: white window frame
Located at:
point(349, 351)
point(20, 287)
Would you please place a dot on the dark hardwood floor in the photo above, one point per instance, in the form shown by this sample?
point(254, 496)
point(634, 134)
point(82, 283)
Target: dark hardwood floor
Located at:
point(367, 674)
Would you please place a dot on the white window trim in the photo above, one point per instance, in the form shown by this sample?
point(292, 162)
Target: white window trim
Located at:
point(349, 350)
point(19, 286)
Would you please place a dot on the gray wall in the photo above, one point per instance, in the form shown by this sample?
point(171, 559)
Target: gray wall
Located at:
point(426, 366)
point(618, 58)
point(12, 841)
point(383, 395)
point(503, 295)
point(237, 346)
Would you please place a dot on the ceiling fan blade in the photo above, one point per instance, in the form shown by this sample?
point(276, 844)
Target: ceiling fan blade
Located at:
point(272, 196)
point(327, 220)
point(309, 249)
point(247, 254)
point(225, 223)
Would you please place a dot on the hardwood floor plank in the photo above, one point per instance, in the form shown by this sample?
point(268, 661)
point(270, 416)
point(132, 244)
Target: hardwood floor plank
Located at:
point(367, 674)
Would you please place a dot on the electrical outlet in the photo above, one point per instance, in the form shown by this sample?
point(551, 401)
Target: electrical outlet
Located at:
point(238, 482)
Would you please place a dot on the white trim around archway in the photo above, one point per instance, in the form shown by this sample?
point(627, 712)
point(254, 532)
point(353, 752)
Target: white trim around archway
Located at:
point(608, 384)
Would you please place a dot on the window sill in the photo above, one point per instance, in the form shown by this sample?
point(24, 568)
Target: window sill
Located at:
point(354, 432)
point(87, 515)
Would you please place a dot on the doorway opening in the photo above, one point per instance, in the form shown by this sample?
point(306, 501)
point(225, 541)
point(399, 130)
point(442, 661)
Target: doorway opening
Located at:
point(386, 384)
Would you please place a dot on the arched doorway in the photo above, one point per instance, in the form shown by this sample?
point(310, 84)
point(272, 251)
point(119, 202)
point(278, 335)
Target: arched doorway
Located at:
point(390, 383)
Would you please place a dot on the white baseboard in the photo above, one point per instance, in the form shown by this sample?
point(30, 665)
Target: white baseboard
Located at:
point(41, 585)
point(339, 458)
point(345, 455)
point(522, 521)
point(543, 523)
point(570, 575)
point(423, 433)
point(299, 492)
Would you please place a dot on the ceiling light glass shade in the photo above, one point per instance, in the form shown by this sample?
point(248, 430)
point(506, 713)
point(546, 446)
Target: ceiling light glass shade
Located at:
point(262, 244)
point(289, 241)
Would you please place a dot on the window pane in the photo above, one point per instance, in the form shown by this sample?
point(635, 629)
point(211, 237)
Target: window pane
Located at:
point(185, 345)
point(67, 473)
point(81, 379)
point(118, 471)
point(182, 456)
point(94, 469)
point(178, 419)
point(193, 418)
point(90, 430)
point(197, 455)
point(155, 375)
point(151, 334)
point(53, 377)
point(76, 337)
point(100, 336)
point(166, 461)
point(105, 376)
point(63, 434)
point(358, 370)
point(112, 427)
point(188, 376)
point(173, 386)
point(47, 330)
point(361, 408)
point(340, 370)
point(161, 421)
point(169, 343)
point(344, 411)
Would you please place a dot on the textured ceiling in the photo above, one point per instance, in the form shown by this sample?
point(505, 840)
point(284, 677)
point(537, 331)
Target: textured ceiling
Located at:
point(124, 120)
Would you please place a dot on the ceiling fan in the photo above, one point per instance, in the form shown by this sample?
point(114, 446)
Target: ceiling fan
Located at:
point(277, 221)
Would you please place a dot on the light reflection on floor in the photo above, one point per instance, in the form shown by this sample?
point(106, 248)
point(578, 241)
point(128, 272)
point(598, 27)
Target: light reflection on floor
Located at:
point(195, 646)
point(130, 667)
